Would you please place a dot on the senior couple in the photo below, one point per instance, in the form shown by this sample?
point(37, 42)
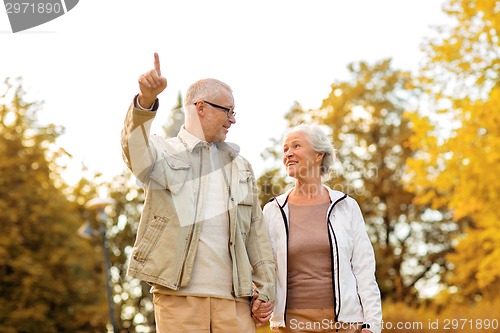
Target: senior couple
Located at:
point(215, 261)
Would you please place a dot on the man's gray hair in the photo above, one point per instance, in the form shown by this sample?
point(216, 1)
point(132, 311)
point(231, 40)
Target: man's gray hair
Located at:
point(204, 89)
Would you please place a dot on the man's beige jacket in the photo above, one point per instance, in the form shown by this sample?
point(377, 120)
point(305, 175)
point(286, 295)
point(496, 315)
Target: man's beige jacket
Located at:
point(167, 237)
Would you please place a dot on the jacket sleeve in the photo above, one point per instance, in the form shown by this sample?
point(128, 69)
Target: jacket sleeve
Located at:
point(137, 150)
point(363, 266)
point(259, 250)
point(272, 218)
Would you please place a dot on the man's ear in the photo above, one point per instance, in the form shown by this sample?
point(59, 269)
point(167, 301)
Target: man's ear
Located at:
point(199, 107)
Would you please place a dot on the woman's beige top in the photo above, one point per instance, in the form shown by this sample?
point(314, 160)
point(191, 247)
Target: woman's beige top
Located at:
point(309, 258)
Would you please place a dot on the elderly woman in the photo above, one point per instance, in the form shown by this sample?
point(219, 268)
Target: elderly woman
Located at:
point(324, 259)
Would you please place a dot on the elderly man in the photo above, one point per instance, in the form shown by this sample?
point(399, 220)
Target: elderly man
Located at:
point(201, 241)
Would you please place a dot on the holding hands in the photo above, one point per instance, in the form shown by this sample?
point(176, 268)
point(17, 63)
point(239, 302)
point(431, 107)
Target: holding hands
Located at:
point(261, 311)
point(151, 84)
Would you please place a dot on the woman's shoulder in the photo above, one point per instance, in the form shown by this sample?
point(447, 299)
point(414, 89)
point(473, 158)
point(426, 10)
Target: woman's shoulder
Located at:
point(276, 202)
point(342, 198)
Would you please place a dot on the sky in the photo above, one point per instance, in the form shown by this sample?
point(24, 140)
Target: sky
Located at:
point(85, 64)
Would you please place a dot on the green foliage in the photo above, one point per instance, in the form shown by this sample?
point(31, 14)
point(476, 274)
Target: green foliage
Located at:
point(48, 274)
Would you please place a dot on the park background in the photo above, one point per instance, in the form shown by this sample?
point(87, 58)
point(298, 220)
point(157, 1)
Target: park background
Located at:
point(408, 90)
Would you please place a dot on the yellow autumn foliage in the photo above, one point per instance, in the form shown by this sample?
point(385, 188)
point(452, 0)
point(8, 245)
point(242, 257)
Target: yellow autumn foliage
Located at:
point(460, 142)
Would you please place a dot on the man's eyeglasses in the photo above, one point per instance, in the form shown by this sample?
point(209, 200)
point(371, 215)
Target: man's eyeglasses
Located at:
point(229, 112)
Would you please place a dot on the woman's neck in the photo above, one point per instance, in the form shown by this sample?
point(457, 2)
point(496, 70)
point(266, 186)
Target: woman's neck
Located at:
point(310, 192)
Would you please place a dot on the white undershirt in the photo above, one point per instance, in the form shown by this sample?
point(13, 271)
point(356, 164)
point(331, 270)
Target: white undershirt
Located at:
point(212, 268)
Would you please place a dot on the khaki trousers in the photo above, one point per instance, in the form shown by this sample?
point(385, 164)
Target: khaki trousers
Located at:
point(316, 321)
point(190, 314)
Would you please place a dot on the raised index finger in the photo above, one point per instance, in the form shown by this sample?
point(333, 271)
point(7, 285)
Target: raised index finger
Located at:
point(157, 64)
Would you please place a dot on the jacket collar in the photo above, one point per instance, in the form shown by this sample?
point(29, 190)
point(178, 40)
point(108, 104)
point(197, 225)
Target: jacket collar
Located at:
point(191, 142)
point(335, 195)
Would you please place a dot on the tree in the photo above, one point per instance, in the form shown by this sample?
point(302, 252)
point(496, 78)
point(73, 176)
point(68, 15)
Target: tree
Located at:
point(176, 119)
point(131, 295)
point(47, 273)
point(270, 184)
point(133, 304)
point(273, 181)
point(461, 75)
point(368, 123)
point(365, 117)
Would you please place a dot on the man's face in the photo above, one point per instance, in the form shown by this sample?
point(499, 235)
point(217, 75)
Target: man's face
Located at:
point(214, 120)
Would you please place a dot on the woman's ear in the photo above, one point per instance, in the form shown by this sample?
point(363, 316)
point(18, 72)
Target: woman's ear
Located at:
point(319, 157)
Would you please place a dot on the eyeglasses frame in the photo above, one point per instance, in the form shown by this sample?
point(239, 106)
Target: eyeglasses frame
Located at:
point(229, 111)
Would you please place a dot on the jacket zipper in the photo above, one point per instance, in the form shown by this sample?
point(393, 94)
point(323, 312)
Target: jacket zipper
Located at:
point(336, 309)
point(285, 222)
point(191, 231)
point(335, 286)
point(189, 239)
point(230, 226)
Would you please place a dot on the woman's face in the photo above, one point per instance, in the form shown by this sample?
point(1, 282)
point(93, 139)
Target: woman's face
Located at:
point(299, 157)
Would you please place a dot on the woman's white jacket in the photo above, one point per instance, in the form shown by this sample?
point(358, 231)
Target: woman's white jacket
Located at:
point(357, 296)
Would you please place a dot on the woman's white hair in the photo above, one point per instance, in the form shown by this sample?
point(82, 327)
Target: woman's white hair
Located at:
point(320, 143)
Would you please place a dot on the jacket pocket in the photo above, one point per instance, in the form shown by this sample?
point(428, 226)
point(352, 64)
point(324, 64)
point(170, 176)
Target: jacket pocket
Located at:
point(150, 238)
point(244, 196)
point(171, 172)
point(245, 202)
